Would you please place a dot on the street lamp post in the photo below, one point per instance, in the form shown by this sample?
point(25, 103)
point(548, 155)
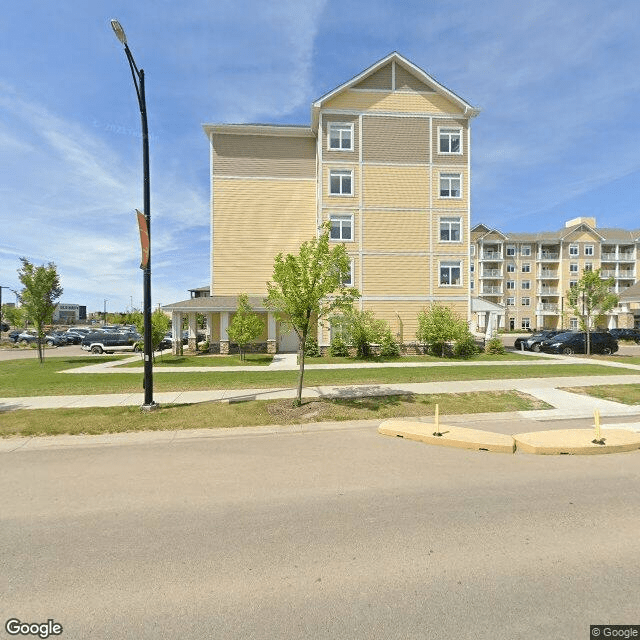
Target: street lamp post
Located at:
point(138, 81)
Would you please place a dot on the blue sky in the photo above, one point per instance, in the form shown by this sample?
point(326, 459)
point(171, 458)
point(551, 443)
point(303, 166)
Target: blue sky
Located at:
point(558, 135)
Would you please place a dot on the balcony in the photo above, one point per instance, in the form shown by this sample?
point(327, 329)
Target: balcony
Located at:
point(608, 273)
point(547, 307)
point(548, 291)
point(491, 291)
point(491, 255)
point(491, 273)
point(626, 274)
point(548, 255)
point(548, 274)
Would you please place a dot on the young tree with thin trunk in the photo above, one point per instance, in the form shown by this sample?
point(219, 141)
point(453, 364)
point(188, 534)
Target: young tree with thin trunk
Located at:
point(39, 296)
point(310, 286)
point(245, 325)
point(590, 299)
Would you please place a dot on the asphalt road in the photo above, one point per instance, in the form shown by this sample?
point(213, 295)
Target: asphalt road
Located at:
point(331, 534)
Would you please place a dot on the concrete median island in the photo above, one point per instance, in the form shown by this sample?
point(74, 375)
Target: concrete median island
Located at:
point(555, 442)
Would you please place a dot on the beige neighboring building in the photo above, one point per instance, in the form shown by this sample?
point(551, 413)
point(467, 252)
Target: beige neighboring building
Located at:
point(385, 160)
point(530, 273)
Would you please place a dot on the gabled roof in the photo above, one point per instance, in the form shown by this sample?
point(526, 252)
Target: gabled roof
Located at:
point(421, 75)
point(582, 226)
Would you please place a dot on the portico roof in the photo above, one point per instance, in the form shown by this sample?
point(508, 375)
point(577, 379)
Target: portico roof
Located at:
point(211, 304)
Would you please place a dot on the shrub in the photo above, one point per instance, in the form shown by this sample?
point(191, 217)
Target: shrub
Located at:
point(338, 347)
point(389, 348)
point(494, 346)
point(465, 347)
point(439, 325)
point(311, 349)
point(364, 330)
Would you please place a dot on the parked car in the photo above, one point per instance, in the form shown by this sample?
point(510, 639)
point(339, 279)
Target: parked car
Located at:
point(13, 335)
point(575, 342)
point(50, 339)
point(73, 336)
point(626, 334)
point(4, 327)
point(110, 342)
point(533, 342)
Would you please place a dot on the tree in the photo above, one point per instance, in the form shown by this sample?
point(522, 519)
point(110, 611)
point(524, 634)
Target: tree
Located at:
point(310, 286)
point(15, 316)
point(39, 296)
point(245, 326)
point(159, 327)
point(438, 325)
point(590, 299)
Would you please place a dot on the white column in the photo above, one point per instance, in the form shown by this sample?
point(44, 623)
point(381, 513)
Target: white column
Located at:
point(176, 333)
point(224, 335)
point(193, 331)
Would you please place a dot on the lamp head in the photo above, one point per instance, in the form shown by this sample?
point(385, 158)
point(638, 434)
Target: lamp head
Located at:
point(119, 31)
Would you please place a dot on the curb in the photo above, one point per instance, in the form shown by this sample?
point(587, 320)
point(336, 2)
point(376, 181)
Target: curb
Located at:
point(558, 442)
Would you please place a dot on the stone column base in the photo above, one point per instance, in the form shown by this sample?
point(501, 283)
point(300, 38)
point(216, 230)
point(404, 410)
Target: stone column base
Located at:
point(193, 344)
point(271, 346)
point(224, 347)
point(176, 348)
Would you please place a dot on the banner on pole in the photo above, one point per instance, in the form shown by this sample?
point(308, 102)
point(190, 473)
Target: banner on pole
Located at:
point(144, 239)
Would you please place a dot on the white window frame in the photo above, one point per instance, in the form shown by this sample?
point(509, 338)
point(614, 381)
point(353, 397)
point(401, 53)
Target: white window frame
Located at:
point(450, 265)
point(526, 285)
point(511, 250)
point(574, 250)
point(340, 127)
point(526, 267)
point(573, 283)
point(341, 174)
point(472, 250)
point(525, 323)
point(589, 250)
point(511, 284)
point(574, 324)
point(588, 266)
point(450, 221)
point(525, 250)
point(447, 134)
point(511, 301)
point(573, 267)
point(340, 218)
point(511, 267)
point(526, 301)
point(472, 285)
point(349, 282)
point(448, 180)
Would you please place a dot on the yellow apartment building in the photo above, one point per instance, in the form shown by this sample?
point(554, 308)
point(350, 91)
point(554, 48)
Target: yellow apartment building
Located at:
point(529, 274)
point(386, 161)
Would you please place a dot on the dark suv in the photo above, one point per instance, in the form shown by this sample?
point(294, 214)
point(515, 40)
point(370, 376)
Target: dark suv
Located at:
point(626, 334)
point(533, 342)
point(575, 342)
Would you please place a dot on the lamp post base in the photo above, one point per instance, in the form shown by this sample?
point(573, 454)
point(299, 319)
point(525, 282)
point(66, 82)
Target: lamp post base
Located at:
point(149, 407)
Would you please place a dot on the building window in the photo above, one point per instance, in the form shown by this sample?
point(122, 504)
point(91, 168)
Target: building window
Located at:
point(340, 182)
point(526, 284)
point(340, 136)
point(341, 227)
point(573, 267)
point(511, 284)
point(450, 140)
point(472, 267)
point(511, 268)
point(573, 249)
point(472, 285)
point(526, 324)
point(450, 185)
point(511, 250)
point(526, 250)
point(511, 302)
point(573, 324)
point(347, 278)
point(526, 302)
point(573, 283)
point(588, 266)
point(526, 267)
point(450, 229)
point(450, 274)
point(588, 250)
point(473, 250)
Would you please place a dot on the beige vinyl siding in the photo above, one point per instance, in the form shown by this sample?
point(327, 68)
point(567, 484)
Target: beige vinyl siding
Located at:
point(402, 315)
point(264, 156)
point(395, 275)
point(449, 158)
point(382, 79)
point(395, 140)
point(332, 155)
point(396, 230)
point(396, 187)
point(253, 221)
point(400, 101)
point(407, 81)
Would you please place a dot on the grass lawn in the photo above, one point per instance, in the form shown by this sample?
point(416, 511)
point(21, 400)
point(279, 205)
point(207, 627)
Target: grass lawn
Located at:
point(254, 413)
point(625, 393)
point(30, 378)
point(207, 360)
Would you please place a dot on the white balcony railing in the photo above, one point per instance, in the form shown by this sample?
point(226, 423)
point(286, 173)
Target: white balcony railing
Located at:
point(492, 291)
